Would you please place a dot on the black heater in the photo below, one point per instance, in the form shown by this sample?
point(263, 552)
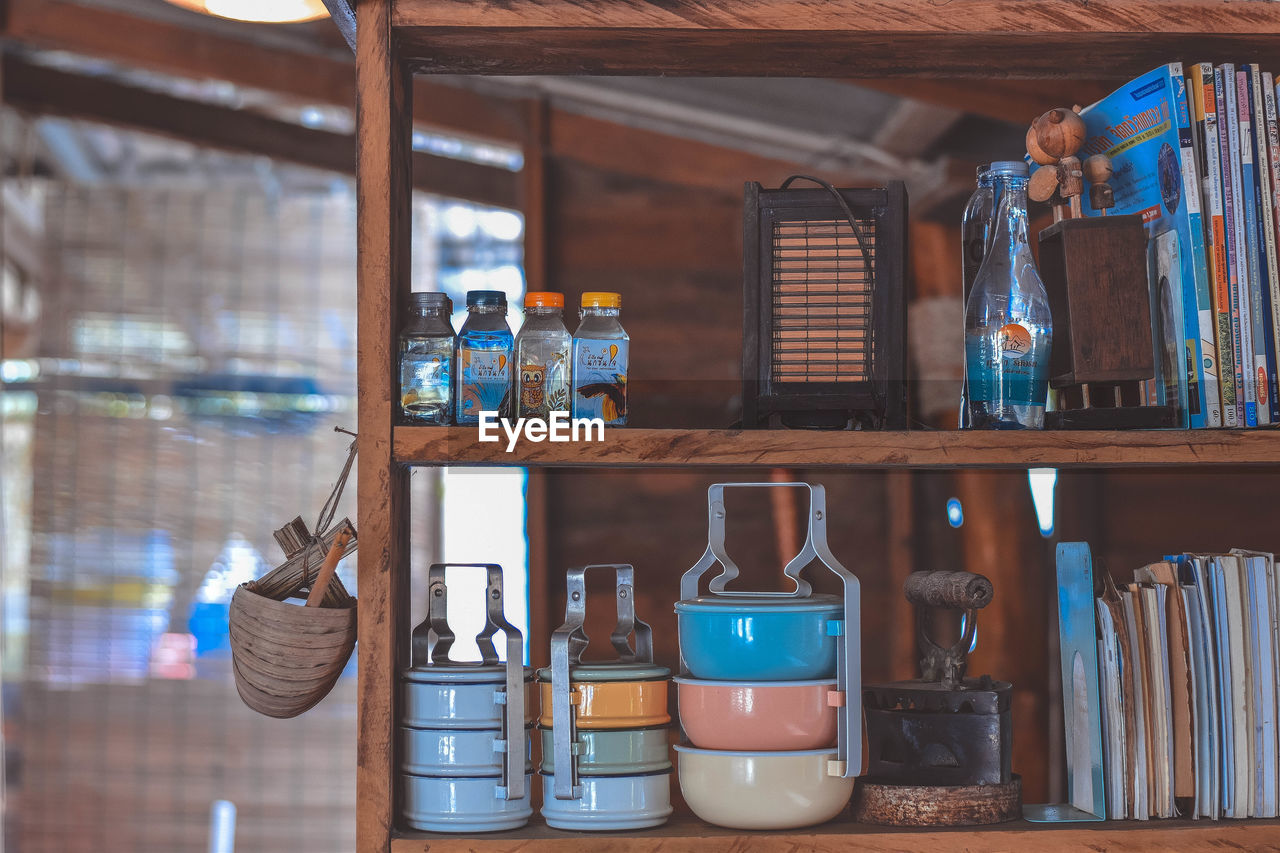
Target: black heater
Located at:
point(824, 331)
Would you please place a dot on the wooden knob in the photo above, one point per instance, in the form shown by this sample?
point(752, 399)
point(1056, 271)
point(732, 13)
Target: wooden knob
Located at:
point(1069, 177)
point(1042, 184)
point(1058, 133)
point(1098, 169)
point(957, 590)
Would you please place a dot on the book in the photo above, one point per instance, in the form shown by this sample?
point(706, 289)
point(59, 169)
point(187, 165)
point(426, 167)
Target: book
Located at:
point(1179, 673)
point(1136, 719)
point(1144, 127)
point(1258, 597)
point(1237, 249)
point(1269, 269)
point(1160, 720)
point(1222, 650)
point(1258, 296)
point(1203, 398)
point(1217, 253)
point(1207, 721)
point(1113, 735)
point(1241, 708)
point(1269, 141)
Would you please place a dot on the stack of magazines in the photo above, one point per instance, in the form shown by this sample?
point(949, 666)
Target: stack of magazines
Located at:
point(1187, 668)
point(1198, 156)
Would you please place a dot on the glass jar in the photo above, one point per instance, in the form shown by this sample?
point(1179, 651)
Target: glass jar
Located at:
point(426, 360)
point(1008, 329)
point(484, 357)
point(600, 354)
point(542, 351)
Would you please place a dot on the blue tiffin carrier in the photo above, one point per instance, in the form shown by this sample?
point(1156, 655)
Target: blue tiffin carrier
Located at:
point(796, 635)
point(464, 743)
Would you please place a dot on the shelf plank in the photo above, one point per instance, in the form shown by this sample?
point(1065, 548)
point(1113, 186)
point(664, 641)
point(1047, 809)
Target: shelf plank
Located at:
point(687, 835)
point(1117, 39)
point(672, 448)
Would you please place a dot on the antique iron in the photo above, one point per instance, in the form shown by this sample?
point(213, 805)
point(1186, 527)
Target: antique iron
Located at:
point(939, 746)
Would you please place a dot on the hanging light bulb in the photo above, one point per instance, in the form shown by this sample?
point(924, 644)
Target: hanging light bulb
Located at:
point(1042, 482)
point(258, 11)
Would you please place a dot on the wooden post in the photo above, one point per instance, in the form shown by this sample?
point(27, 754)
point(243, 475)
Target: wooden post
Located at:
point(534, 196)
point(383, 182)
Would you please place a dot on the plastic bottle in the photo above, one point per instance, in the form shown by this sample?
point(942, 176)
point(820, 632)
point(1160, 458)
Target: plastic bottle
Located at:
point(542, 352)
point(600, 353)
point(1008, 329)
point(484, 357)
point(426, 360)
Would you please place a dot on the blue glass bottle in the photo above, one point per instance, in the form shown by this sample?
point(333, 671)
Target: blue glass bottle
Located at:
point(1008, 329)
point(426, 360)
point(484, 357)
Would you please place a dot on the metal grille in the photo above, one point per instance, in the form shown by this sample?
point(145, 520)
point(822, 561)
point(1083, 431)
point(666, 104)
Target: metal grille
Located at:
point(822, 323)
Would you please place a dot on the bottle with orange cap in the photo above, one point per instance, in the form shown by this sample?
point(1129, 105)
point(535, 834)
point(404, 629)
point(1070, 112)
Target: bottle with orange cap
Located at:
point(600, 352)
point(542, 348)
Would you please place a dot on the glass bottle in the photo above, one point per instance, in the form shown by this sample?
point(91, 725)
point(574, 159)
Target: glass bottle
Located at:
point(975, 233)
point(484, 357)
point(600, 351)
point(1008, 330)
point(542, 352)
point(426, 360)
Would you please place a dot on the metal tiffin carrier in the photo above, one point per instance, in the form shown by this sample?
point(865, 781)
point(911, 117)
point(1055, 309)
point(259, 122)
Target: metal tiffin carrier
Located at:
point(939, 746)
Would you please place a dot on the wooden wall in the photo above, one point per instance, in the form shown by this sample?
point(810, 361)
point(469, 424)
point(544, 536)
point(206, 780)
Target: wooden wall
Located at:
point(675, 255)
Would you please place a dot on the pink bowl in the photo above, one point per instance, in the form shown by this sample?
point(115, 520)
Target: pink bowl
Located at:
point(758, 715)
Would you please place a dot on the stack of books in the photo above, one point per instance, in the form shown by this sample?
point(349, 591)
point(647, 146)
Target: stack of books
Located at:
point(1198, 156)
point(1187, 664)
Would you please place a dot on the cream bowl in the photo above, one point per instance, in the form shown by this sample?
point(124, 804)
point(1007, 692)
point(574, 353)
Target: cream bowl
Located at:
point(762, 790)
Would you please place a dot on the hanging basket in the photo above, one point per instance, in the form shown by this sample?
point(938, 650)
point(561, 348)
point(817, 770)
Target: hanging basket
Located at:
point(287, 657)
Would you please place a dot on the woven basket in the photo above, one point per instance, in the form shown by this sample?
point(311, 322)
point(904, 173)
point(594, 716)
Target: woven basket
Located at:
point(287, 657)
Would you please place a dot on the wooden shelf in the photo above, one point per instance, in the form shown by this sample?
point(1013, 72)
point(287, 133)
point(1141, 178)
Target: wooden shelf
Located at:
point(675, 448)
point(687, 835)
point(1112, 39)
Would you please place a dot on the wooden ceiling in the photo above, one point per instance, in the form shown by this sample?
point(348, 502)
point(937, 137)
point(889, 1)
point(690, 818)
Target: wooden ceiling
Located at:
point(709, 134)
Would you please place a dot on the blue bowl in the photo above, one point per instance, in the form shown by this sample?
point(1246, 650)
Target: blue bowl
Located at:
point(738, 638)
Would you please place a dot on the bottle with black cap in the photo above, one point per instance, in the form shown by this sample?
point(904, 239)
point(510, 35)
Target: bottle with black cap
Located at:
point(426, 360)
point(484, 357)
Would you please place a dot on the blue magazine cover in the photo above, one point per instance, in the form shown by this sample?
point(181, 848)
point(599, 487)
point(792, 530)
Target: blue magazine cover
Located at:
point(1145, 128)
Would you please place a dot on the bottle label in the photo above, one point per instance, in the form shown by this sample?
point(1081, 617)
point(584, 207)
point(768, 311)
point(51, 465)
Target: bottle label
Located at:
point(600, 380)
point(1003, 368)
point(425, 381)
point(544, 388)
point(484, 382)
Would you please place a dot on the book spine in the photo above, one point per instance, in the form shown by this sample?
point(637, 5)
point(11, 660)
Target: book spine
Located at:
point(1268, 262)
point(1248, 199)
point(1218, 254)
point(1203, 407)
point(1272, 122)
point(1237, 253)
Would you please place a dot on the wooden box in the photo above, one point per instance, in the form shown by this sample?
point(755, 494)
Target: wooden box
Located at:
point(1095, 271)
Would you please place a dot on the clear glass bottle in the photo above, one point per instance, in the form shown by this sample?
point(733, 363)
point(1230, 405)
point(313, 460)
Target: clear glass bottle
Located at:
point(1008, 329)
point(600, 354)
point(542, 352)
point(975, 233)
point(426, 360)
point(484, 357)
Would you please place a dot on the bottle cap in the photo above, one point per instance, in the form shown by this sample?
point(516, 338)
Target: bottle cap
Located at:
point(431, 299)
point(1016, 168)
point(486, 297)
point(983, 168)
point(543, 299)
point(601, 299)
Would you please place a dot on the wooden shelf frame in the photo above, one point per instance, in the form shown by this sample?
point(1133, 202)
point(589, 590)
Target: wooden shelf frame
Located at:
point(837, 38)
point(692, 448)
point(687, 835)
point(1114, 39)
